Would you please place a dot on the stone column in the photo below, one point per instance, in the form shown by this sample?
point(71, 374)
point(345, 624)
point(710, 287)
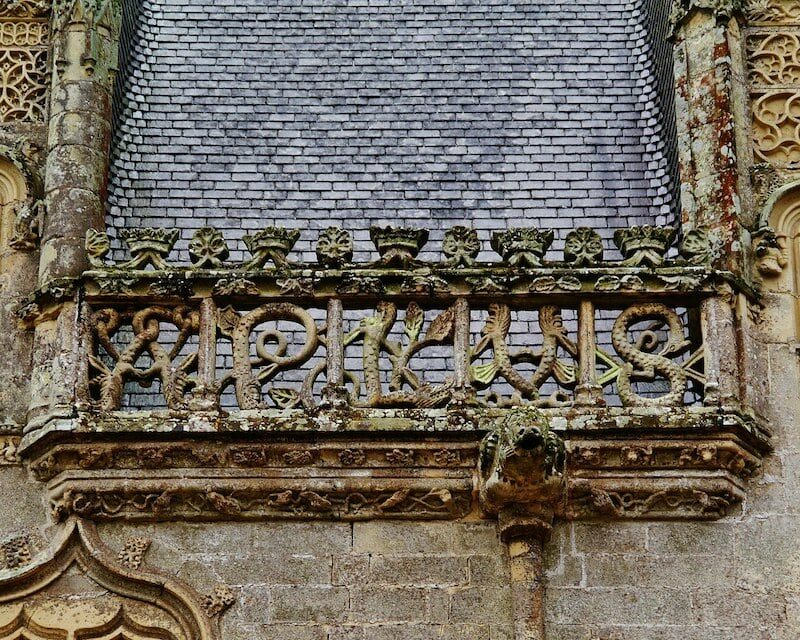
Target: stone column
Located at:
point(85, 38)
point(525, 530)
point(711, 103)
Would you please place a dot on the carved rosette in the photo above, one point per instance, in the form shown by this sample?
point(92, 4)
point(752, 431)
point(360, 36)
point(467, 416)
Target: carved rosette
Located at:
point(334, 247)
point(583, 247)
point(208, 249)
point(460, 247)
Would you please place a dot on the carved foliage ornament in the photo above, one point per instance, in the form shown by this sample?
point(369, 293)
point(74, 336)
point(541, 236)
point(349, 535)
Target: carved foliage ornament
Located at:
point(334, 247)
point(109, 377)
point(583, 247)
point(461, 246)
point(776, 127)
point(398, 246)
point(773, 10)
point(722, 9)
point(645, 245)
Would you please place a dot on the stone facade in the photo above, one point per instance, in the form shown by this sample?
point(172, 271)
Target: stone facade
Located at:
point(219, 423)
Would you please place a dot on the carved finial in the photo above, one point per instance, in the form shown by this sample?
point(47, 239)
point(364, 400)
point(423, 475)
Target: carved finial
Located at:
point(583, 247)
point(398, 246)
point(645, 245)
point(207, 249)
point(270, 244)
point(132, 554)
point(148, 246)
point(522, 247)
point(334, 247)
point(461, 246)
point(218, 601)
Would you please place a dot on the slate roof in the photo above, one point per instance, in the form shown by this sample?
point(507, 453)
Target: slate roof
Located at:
point(243, 113)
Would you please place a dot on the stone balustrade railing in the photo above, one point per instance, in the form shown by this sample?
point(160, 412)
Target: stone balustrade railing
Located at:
point(398, 332)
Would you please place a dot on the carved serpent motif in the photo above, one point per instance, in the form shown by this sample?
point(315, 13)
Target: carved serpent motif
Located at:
point(639, 360)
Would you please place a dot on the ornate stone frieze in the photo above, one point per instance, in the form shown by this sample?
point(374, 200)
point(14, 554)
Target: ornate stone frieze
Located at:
point(267, 500)
point(398, 248)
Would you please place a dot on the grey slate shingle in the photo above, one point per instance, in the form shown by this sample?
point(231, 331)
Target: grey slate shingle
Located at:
point(306, 113)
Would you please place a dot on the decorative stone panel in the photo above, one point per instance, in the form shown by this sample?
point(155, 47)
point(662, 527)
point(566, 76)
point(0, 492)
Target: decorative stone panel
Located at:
point(773, 67)
point(23, 68)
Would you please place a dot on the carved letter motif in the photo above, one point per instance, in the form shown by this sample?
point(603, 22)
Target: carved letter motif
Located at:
point(109, 381)
point(495, 333)
point(641, 361)
point(373, 332)
point(247, 383)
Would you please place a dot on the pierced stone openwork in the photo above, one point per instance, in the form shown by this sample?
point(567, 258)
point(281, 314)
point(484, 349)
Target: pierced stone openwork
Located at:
point(774, 76)
point(23, 68)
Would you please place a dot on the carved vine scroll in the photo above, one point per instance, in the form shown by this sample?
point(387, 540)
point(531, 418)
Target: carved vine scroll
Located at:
point(405, 387)
point(248, 382)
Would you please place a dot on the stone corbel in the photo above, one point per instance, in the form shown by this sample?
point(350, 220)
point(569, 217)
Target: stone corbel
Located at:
point(521, 481)
point(769, 254)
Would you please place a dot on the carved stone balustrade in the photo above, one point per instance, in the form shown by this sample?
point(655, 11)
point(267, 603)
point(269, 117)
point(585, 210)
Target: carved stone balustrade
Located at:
point(346, 391)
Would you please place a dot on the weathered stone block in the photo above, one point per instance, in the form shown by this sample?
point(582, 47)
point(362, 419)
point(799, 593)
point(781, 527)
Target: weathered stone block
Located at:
point(309, 604)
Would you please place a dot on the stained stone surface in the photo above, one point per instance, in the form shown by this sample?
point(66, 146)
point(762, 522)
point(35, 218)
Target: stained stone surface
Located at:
point(302, 112)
